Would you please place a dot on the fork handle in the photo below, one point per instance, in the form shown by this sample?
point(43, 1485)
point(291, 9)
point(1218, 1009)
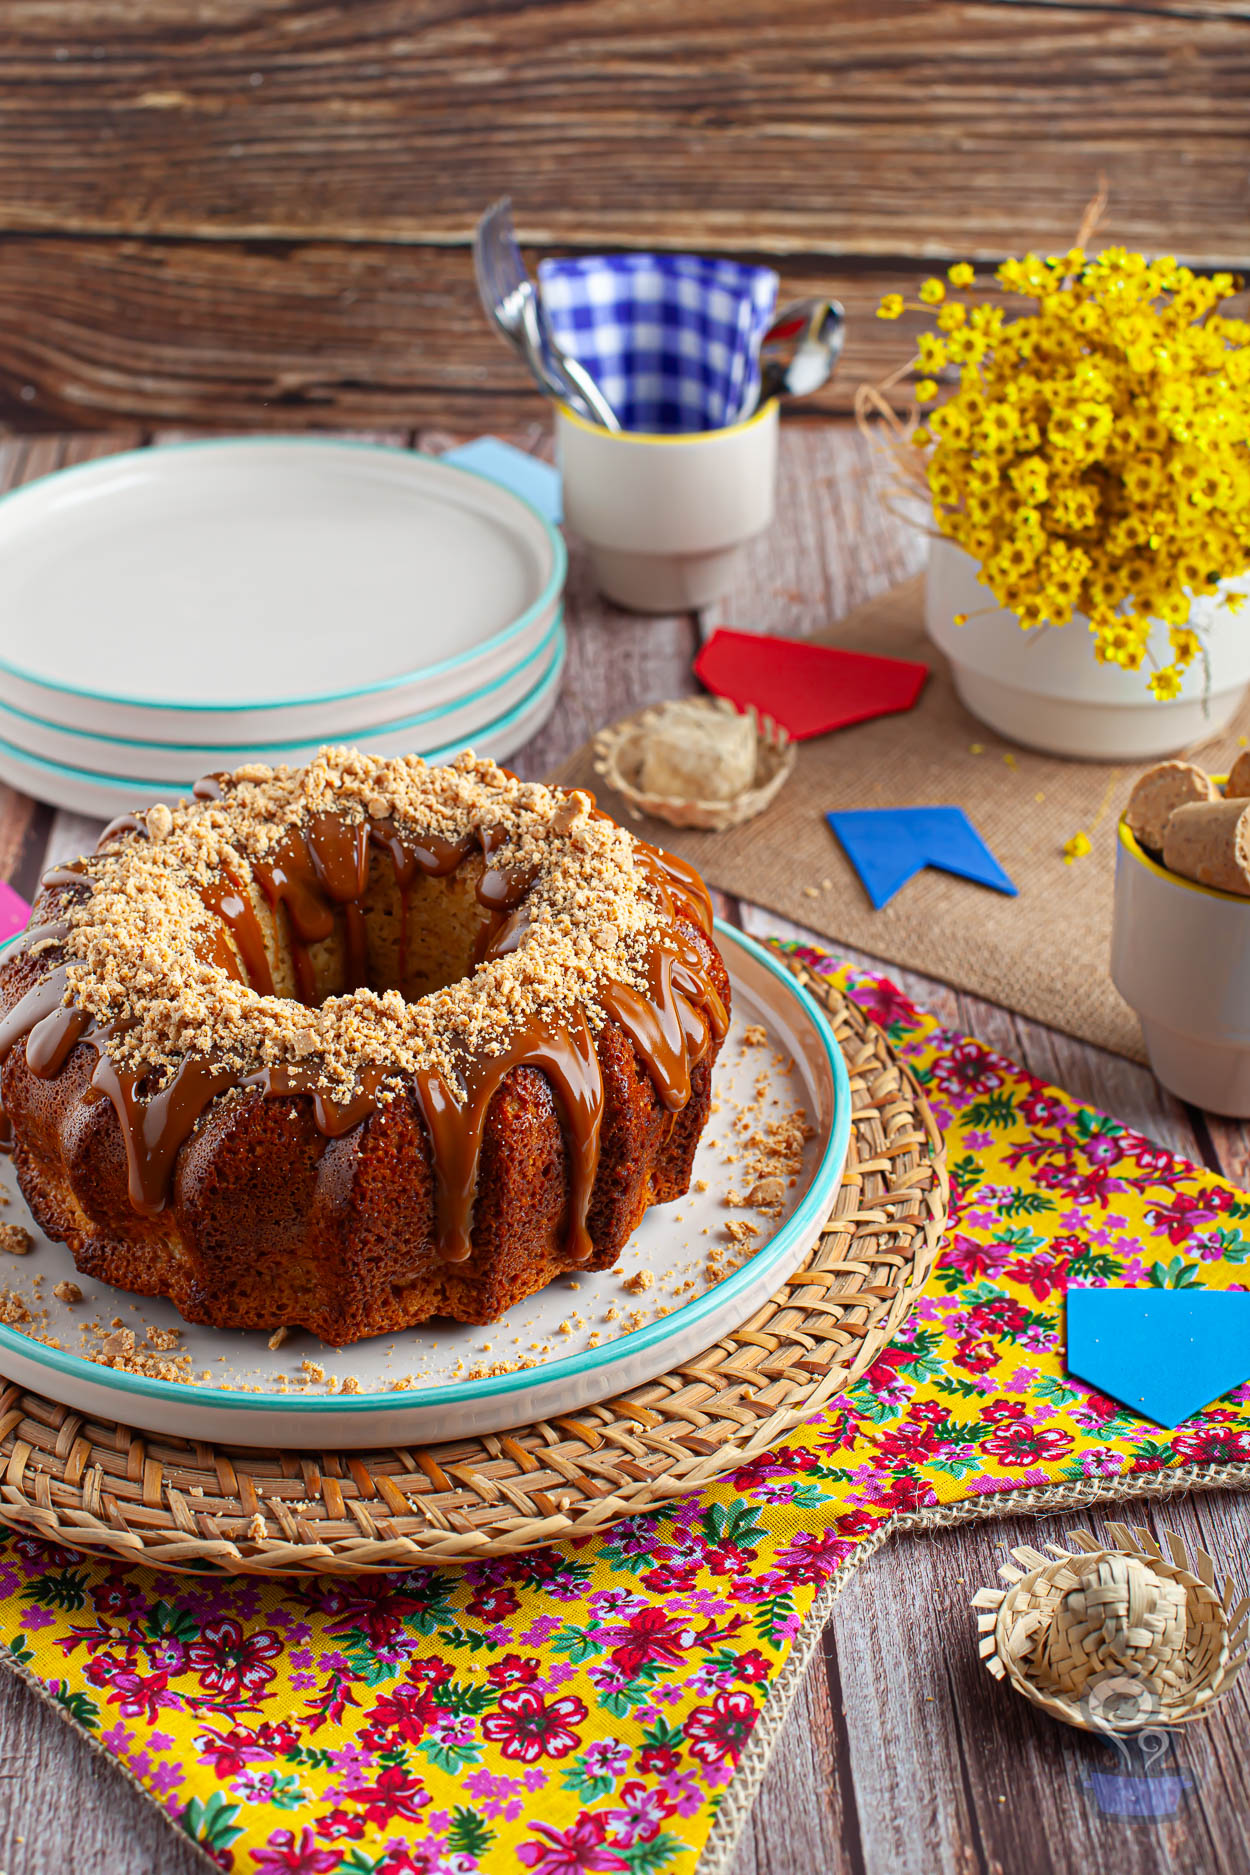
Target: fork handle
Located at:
point(578, 375)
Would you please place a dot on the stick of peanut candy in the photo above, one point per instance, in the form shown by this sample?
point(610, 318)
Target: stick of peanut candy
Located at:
point(1210, 841)
point(1160, 791)
point(1177, 813)
point(1238, 783)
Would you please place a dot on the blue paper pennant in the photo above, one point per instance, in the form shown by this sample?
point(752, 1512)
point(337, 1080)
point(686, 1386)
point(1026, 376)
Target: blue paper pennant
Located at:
point(529, 477)
point(889, 845)
point(1167, 1353)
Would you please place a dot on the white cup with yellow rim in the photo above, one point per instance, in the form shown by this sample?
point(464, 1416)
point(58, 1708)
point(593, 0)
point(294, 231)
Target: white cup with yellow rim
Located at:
point(666, 519)
point(1180, 956)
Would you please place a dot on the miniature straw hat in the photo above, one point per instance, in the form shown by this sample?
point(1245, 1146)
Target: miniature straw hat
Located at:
point(1114, 1639)
point(620, 750)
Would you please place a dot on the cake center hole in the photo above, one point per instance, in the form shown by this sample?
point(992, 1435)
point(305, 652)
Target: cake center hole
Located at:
point(417, 940)
point(427, 938)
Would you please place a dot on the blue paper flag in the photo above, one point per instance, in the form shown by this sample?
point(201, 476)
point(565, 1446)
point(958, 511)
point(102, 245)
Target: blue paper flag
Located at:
point(889, 845)
point(533, 480)
point(1167, 1353)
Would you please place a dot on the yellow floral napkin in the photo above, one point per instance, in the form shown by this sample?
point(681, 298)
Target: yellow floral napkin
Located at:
point(589, 1707)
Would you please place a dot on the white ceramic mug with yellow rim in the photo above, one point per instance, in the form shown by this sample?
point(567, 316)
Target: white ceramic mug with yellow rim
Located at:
point(1180, 955)
point(666, 518)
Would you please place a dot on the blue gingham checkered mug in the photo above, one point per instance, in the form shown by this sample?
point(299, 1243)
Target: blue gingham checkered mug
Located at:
point(672, 340)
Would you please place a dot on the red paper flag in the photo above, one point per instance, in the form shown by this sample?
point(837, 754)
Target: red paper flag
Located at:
point(809, 689)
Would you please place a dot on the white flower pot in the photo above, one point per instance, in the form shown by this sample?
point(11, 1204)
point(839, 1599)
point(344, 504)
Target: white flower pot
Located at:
point(1046, 689)
point(1180, 956)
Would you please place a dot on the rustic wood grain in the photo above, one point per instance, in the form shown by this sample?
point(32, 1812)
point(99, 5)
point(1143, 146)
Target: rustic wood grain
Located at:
point(224, 335)
point(900, 1754)
point(65, 1808)
point(892, 128)
point(258, 214)
point(804, 1816)
point(837, 538)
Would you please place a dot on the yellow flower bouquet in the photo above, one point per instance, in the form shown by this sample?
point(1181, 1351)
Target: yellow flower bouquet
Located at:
point(1093, 457)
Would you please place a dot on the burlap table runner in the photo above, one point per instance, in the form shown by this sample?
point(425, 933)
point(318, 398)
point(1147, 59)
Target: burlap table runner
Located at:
point(1044, 953)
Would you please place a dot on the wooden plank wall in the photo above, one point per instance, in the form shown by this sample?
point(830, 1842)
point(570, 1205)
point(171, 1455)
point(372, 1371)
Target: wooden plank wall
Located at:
point(256, 212)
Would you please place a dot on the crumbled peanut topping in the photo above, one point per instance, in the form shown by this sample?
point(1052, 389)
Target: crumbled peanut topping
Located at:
point(136, 934)
point(739, 1230)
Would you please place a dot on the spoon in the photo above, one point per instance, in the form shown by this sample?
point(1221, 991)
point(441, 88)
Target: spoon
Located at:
point(515, 306)
point(800, 349)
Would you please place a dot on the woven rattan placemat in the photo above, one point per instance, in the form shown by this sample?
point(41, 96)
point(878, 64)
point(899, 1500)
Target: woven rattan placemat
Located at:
point(184, 1505)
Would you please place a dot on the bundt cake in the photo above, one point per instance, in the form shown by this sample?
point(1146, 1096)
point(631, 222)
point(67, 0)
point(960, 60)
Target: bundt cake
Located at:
point(356, 1045)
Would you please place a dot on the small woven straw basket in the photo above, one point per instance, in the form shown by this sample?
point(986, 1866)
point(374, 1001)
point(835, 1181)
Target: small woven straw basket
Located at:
point(1114, 1639)
point(618, 754)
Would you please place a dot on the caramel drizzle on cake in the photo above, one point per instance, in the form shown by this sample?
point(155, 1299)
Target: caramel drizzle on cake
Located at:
point(314, 877)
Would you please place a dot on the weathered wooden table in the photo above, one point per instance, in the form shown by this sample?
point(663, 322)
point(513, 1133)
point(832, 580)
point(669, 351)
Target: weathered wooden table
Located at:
point(900, 1756)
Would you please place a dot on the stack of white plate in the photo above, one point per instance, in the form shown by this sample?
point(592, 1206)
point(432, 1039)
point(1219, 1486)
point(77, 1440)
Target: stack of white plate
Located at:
point(174, 611)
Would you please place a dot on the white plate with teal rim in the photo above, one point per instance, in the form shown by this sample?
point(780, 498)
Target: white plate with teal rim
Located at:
point(123, 756)
point(86, 791)
point(265, 588)
point(580, 1340)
